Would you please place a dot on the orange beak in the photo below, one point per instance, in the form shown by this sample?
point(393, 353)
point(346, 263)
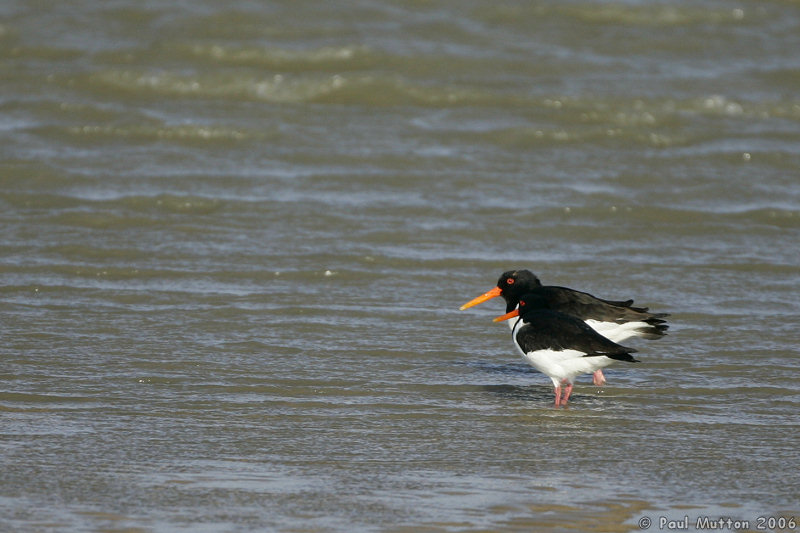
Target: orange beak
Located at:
point(497, 291)
point(506, 316)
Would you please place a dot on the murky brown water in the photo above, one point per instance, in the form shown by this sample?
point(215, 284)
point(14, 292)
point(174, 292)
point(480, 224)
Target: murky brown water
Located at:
point(235, 238)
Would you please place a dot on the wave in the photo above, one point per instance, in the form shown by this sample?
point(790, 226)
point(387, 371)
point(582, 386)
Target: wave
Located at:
point(391, 89)
point(623, 13)
point(185, 132)
point(91, 209)
point(349, 57)
point(364, 89)
point(668, 216)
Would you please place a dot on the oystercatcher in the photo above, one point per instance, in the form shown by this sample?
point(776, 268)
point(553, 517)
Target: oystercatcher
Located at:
point(616, 320)
point(560, 345)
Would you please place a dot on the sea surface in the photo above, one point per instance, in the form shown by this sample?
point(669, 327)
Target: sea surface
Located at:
point(234, 237)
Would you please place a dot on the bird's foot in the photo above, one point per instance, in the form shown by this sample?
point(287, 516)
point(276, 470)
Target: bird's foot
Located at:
point(598, 378)
point(557, 391)
point(567, 392)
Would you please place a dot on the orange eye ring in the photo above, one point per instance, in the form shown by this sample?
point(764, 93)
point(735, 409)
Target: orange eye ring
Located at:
point(509, 281)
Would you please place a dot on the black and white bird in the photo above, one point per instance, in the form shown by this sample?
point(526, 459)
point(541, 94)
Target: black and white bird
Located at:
point(615, 320)
point(560, 345)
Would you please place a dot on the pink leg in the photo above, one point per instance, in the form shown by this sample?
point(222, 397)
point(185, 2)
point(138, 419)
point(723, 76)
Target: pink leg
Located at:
point(598, 378)
point(558, 394)
point(567, 392)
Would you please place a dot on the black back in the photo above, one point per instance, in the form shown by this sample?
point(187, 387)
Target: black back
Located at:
point(545, 329)
point(515, 283)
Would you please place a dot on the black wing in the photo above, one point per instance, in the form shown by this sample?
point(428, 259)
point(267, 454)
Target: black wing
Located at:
point(550, 330)
point(585, 306)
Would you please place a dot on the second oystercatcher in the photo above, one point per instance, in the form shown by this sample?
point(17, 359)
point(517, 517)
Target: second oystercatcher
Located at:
point(560, 345)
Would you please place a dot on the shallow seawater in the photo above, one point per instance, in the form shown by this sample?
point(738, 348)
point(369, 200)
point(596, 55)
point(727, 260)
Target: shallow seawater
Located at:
point(235, 238)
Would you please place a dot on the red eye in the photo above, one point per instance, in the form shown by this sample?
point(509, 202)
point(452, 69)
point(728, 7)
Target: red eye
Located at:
point(510, 281)
point(522, 303)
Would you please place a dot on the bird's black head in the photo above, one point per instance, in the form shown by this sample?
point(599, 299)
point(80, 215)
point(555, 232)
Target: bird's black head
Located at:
point(530, 302)
point(515, 283)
